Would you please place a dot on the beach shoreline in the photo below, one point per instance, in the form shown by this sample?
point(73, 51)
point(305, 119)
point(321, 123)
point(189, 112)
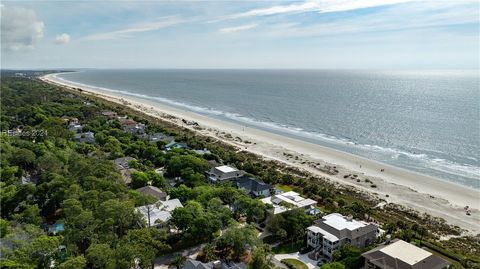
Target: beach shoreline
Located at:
point(423, 193)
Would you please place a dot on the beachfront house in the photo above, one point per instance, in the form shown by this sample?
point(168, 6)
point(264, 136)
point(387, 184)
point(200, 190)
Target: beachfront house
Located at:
point(288, 201)
point(253, 187)
point(400, 254)
point(109, 114)
point(334, 230)
point(157, 214)
point(154, 192)
point(157, 137)
point(222, 173)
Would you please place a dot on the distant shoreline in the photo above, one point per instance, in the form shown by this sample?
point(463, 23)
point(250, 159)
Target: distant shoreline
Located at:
point(420, 192)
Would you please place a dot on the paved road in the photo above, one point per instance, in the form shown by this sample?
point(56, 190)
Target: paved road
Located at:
point(160, 262)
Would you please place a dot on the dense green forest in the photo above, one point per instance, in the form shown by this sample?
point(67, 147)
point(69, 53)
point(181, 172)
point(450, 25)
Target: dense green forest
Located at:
point(50, 179)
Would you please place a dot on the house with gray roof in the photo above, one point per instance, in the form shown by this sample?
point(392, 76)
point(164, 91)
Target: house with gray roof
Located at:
point(158, 213)
point(123, 166)
point(132, 127)
point(402, 255)
point(156, 137)
point(88, 137)
point(155, 192)
point(127, 174)
point(253, 186)
point(122, 163)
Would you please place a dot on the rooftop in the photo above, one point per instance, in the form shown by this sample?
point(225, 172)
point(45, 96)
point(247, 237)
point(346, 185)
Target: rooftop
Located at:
point(153, 191)
point(159, 211)
point(402, 255)
point(226, 169)
point(252, 184)
point(340, 222)
point(291, 198)
point(405, 252)
point(330, 237)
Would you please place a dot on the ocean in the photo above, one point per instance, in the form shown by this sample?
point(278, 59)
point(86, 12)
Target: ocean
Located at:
point(425, 121)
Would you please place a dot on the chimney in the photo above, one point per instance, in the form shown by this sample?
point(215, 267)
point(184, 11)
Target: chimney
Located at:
point(387, 239)
point(217, 265)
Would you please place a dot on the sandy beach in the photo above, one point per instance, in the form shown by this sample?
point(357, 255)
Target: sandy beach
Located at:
point(423, 193)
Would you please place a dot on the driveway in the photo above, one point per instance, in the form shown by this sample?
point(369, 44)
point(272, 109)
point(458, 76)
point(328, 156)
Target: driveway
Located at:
point(161, 262)
point(311, 264)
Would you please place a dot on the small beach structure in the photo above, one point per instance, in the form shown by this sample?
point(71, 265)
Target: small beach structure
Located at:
point(222, 173)
point(400, 254)
point(288, 201)
point(158, 213)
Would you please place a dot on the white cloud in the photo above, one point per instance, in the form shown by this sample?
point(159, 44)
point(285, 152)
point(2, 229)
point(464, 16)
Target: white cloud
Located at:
point(322, 6)
point(20, 28)
point(246, 27)
point(62, 39)
point(144, 27)
point(413, 16)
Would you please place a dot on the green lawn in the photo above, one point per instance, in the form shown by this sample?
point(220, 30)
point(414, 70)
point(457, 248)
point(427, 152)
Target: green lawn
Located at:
point(284, 188)
point(288, 248)
point(294, 263)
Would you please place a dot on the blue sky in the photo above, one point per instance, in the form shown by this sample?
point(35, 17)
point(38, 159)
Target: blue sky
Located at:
point(347, 34)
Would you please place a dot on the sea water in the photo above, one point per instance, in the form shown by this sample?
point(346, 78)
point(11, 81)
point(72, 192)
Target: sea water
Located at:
point(427, 121)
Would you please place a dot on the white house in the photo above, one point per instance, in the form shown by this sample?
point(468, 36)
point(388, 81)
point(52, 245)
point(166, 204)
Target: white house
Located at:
point(334, 230)
point(158, 213)
point(224, 172)
point(287, 201)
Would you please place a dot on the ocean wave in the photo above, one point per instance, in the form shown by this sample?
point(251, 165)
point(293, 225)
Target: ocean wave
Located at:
point(420, 159)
